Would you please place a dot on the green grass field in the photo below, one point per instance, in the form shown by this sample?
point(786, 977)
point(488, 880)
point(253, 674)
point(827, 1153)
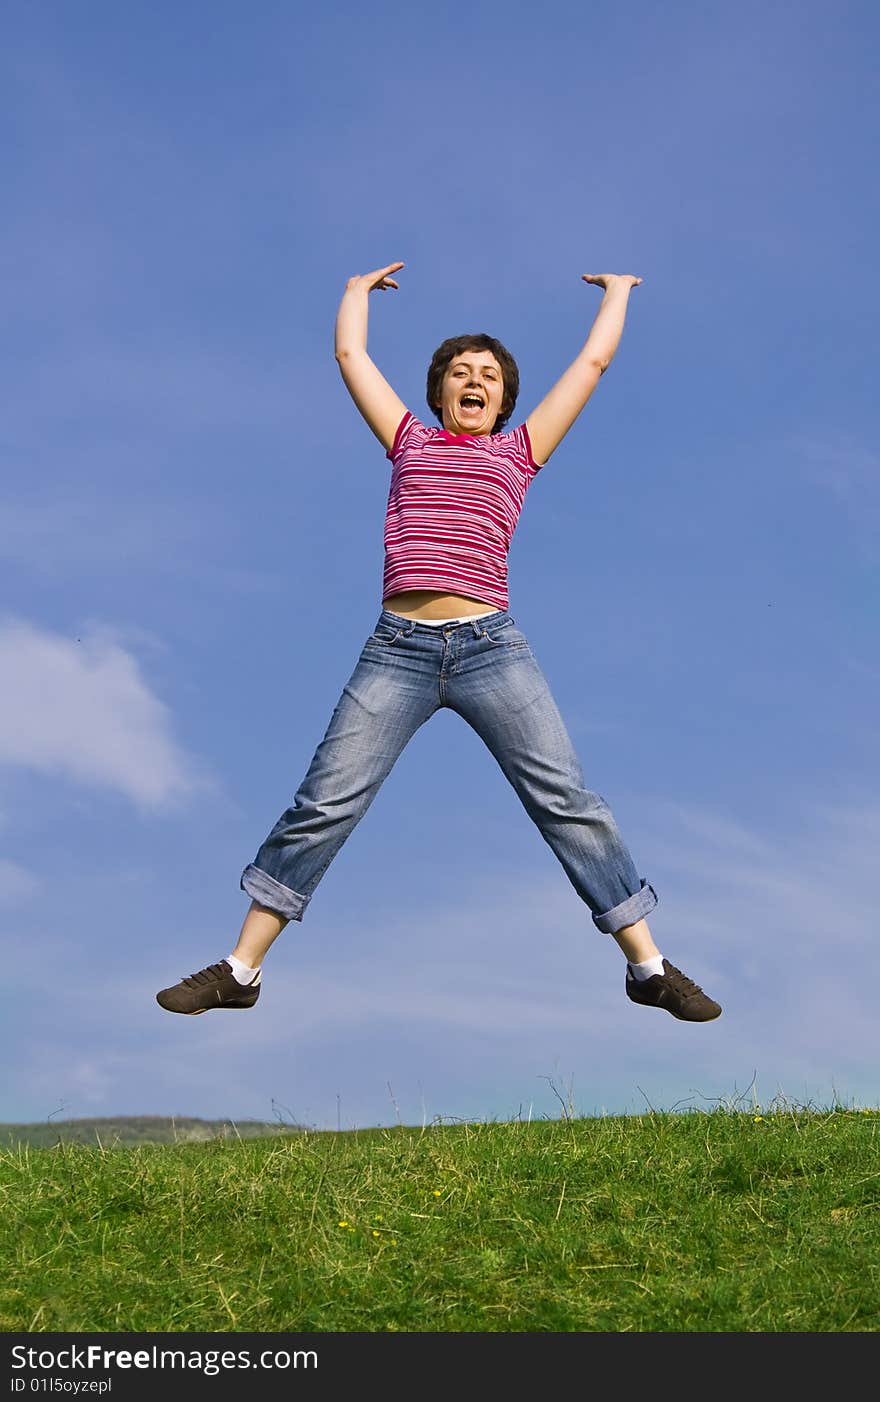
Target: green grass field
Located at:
point(720, 1221)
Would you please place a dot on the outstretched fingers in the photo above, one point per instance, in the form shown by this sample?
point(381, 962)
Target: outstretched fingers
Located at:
point(606, 279)
point(380, 278)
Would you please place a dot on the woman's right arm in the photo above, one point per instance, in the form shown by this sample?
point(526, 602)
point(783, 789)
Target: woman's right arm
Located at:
point(369, 389)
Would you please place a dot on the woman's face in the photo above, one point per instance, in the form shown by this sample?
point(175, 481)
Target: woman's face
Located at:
point(471, 393)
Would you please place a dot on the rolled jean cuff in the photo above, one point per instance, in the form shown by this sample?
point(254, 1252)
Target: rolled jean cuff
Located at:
point(628, 912)
point(272, 894)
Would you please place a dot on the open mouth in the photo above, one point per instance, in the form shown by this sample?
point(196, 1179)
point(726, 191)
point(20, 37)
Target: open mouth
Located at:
point(472, 402)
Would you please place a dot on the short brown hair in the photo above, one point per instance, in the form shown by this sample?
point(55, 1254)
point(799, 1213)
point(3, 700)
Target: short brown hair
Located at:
point(455, 346)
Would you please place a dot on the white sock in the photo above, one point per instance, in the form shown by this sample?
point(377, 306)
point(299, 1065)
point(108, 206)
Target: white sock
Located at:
point(241, 971)
point(647, 968)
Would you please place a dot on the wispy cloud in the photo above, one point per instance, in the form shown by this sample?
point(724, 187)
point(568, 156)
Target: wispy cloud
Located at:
point(795, 896)
point(85, 533)
point(489, 994)
point(80, 530)
point(17, 884)
point(80, 708)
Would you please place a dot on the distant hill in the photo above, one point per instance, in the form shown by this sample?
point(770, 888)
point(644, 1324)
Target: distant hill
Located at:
point(129, 1130)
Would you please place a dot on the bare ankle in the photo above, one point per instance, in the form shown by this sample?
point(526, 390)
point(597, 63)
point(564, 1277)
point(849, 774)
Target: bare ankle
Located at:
point(637, 942)
point(259, 932)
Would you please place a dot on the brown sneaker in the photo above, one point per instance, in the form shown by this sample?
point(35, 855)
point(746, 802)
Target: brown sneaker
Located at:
point(213, 987)
point(673, 991)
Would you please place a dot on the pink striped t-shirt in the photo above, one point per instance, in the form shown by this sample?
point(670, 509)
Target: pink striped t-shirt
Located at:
point(453, 506)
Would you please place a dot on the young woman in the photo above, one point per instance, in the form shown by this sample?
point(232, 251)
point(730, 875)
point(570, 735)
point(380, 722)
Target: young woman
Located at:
point(445, 637)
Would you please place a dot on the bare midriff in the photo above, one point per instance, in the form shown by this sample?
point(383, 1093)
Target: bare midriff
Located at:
point(428, 604)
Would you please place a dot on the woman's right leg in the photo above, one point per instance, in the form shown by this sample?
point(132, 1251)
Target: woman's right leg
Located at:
point(382, 705)
point(384, 702)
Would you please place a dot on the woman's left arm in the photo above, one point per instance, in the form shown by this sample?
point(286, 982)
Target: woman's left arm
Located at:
point(554, 416)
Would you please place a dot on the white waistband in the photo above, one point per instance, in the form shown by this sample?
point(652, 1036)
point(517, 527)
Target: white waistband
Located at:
point(436, 622)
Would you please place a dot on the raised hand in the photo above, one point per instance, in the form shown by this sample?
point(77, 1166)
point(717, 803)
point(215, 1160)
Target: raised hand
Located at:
point(606, 280)
point(371, 392)
point(375, 281)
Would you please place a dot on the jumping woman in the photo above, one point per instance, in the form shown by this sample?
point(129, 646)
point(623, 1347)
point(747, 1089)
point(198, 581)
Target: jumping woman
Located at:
point(445, 638)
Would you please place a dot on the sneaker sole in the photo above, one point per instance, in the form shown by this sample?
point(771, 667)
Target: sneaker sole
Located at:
point(197, 1012)
point(661, 1007)
point(679, 1017)
point(710, 1018)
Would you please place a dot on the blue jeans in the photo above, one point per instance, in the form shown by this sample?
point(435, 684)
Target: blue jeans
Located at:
point(484, 670)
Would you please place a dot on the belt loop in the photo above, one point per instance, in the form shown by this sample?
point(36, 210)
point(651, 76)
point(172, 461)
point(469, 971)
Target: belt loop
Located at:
point(408, 632)
point(478, 632)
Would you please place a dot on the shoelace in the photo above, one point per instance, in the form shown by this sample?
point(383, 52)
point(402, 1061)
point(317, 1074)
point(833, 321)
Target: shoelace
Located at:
point(682, 983)
point(212, 973)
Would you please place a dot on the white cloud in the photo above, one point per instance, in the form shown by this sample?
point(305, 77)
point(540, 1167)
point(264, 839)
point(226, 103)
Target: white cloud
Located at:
point(79, 707)
point(481, 991)
point(795, 898)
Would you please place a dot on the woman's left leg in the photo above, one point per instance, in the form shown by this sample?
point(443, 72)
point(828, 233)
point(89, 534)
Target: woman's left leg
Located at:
point(496, 685)
point(500, 690)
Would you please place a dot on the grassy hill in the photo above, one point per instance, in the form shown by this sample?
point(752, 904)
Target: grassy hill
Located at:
point(719, 1222)
point(126, 1131)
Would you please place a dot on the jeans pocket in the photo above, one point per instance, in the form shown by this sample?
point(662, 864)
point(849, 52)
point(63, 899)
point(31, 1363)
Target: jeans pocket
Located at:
point(499, 632)
point(384, 635)
point(505, 635)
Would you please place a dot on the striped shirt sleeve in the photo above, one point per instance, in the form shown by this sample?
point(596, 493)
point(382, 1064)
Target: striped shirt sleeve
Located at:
point(521, 444)
point(404, 429)
point(516, 447)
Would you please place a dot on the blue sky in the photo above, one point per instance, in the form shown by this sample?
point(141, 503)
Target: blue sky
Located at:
point(191, 517)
